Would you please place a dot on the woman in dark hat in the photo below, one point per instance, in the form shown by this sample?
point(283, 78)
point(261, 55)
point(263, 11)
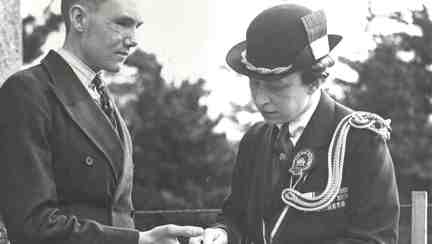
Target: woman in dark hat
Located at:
point(314, 171)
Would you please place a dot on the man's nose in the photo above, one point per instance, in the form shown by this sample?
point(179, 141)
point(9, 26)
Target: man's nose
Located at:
point(130, 40)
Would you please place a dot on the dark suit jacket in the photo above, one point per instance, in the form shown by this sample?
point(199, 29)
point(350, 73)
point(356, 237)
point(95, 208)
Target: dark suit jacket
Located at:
point(65, 175)
point(365, 211)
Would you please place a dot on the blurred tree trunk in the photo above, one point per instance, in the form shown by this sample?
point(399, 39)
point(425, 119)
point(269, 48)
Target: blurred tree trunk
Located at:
point(10, 55)
point(10, 38)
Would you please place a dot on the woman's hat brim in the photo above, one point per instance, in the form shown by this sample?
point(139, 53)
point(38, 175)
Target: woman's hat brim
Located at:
point(234, 58)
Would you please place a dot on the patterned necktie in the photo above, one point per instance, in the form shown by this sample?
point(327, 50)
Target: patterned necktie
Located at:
point(104, 100)
point(283, 149)
point(284, 143)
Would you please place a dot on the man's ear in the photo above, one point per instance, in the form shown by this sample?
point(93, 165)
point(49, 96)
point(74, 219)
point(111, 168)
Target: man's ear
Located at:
point(78, 15)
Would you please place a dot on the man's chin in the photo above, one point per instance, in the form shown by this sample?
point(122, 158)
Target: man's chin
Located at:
point(271, 120)
point(113, 68)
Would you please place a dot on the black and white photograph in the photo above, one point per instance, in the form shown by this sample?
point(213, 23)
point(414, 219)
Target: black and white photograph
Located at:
point(215, 122)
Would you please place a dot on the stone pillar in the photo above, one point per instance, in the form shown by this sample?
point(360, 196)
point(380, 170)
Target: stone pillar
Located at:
point(10, 38)
point(10, 55)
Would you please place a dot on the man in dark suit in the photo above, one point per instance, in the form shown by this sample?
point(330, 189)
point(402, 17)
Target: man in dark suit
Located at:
point(65, 154)
point(314, 171)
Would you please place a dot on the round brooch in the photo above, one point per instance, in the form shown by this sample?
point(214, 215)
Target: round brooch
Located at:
point(301, 162)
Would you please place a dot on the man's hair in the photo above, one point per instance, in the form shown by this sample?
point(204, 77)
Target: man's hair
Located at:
point(67, 4)
point(318, 72)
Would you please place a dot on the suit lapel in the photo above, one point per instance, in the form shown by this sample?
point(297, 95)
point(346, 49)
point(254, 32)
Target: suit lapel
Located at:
point(316, 138)
point(83, 110)
point(319, 130)
point(124, 187)
point(259, 157)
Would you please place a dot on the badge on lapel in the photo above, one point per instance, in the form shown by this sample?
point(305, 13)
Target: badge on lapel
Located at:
point(302, 162)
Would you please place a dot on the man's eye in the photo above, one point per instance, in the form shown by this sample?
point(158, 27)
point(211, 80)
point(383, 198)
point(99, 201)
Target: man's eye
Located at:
point(128, 23)
point(122, 23)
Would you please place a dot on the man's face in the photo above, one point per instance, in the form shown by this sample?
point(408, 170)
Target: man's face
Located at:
point(110, 36)
point(280, 100)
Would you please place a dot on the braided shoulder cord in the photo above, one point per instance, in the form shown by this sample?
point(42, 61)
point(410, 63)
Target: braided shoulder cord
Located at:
point(336, 157)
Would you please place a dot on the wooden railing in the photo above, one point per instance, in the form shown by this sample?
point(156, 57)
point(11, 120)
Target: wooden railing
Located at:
point(419, 217)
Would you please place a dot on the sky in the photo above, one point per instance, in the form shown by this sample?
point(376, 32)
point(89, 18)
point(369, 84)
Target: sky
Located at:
point(191, 38)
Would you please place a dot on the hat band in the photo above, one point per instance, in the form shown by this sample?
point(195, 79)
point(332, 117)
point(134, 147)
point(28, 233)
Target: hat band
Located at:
point(263, 70)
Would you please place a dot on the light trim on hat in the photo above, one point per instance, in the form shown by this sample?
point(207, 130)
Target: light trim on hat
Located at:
point(263, 70)
point(315, 25)
point(320, 47)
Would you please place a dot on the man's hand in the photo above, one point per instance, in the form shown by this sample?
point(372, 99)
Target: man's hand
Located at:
point(211, 236)
point(167, 234)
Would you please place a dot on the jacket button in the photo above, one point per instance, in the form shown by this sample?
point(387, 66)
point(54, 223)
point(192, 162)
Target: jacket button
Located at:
point(89, 161)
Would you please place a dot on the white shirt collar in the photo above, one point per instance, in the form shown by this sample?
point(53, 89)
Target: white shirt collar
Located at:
point(84, 73)
point(297, 126)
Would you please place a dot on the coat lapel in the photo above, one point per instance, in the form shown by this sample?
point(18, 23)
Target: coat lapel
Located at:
point(124, 188)
point(259, 157)
point(319, 130)
point(316, 138)
point(83, 110)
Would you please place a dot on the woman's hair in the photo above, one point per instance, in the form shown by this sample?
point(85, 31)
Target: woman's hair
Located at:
point(318, 72)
